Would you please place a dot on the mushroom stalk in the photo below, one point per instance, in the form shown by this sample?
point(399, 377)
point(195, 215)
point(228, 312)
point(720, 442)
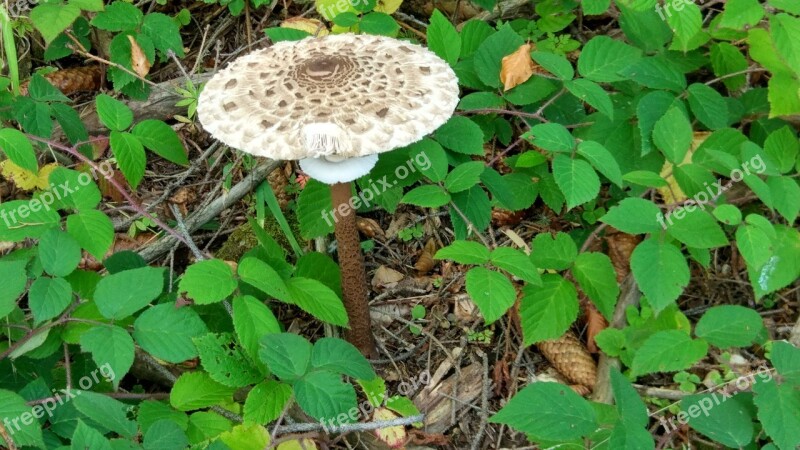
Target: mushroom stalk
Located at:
point(354, 278)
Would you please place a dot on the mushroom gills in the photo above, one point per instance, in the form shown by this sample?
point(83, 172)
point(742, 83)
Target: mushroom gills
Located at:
point(326, 139)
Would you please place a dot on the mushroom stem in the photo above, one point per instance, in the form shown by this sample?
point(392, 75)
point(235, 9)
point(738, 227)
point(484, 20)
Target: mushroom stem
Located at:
point(354, 277)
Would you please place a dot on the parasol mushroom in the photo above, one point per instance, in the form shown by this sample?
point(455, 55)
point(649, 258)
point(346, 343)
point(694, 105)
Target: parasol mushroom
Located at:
point(334, 103)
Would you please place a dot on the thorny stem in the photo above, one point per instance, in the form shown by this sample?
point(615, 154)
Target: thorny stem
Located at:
point(124, 192)
point(354, 278)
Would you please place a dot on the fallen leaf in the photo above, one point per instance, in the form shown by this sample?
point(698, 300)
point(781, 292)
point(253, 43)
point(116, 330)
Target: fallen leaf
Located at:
point(517, 67)
point(25, 179)
point(298, 444)
point(369, 228)
point(395, 436)
point(311, 26)
point(425, 262)
point(139, 61)
point(385, 277)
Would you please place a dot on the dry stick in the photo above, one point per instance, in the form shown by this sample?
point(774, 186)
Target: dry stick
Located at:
point(354, 278)
point(484, 411)
point(350, 427)
point(124, 192)
point(4, 434)
point(629, 296)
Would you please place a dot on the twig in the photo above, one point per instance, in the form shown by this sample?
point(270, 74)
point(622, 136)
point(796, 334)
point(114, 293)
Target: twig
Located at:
point(9, 443)
point(350, 427)
point(484, 411)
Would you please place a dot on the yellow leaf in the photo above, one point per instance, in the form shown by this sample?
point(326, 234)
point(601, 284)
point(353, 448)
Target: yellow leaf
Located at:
point(394, 437)
point(25, 179)
point(672, 193)
point(139, 61)
point(517, 67)
point(388, 6)
point(311, 26)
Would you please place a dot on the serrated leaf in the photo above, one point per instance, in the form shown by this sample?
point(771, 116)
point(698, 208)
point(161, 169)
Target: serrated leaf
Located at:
point(18, 149)
point(224, 361)
point(464, 176)
point(668, 351)
point(596, 276)
point(110, 346)
point(461, 135)
point(516, 263)
point(265, 401)
point(591, 93)
point(130, 156)
point(107, 412)
point(443, 39)
point(708, 106)
point(59, 252)
point(728, 326)
point(491, 291)
point(685, 24)
point(602, 59)
point(263, 277)
point(661, 272)
point(602, 160)
point(576, 179)
point(729, 422)
point(287, 355)
point(93, 230)
point(779, 412)
point(427, 196)
point(318, 300)
point(672, 134)
point(490, 53)
point(547, 311)
point(208, 281)
point(160, 138)
point(113, 113)
point(341, 356)
point(195, 390)
point(695, 227)
point(122, 294)
point(553, 252)
point(252, 320)
point(167, 333)
point(51, 19)
point(553, 137)
point(325, 397)
point(48, 297)
point(464, 252)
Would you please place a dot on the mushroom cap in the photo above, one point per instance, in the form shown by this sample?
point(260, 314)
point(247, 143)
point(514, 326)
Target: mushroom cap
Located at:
point(337, 96)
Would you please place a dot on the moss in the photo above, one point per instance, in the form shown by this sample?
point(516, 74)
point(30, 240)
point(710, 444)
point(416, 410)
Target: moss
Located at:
point(243, 239)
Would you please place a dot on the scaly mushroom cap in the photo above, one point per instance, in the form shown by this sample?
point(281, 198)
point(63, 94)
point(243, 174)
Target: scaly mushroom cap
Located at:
point(332, 98)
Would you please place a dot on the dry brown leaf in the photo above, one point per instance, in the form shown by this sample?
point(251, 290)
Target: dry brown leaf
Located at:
point(517, 67)
point(139, 61)
point(425, 262)
point(595, 323)
point(311, 26)
point(385, 277)
point(370, 228)
point(394, 437)
point(620, 248)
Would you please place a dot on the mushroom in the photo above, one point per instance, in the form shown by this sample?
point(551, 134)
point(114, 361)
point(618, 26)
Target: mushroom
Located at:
point(334, 103)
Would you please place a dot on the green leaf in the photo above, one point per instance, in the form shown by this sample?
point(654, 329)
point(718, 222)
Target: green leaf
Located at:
point(122, 294)
point(74, 190)
point(491, 291)
point(443, 39)
point(110, 346)
point(480, 100)
point(558, 253)
point(631, 408)
point(23, 434)
point(324, 396)
point(59, 252)
point(576, 179)
point(728, 214)
point(280, 34)
point(464, 252)
point(464, 176)
point(562, 415)
point(786, 196)
point(656, 73)
point(51, 19)
point(475, 205)
point(342, 357)
point(727, 421)
point(785, 32)
point(263, 277)
point(85, 436)
point(516, 263)
point(787, 5)
point(251, 320)
point(602, 160)
point(225, 362)
point(118, 16)
point(130, 156)
point(167, 332)
point(266, 401)
point(728, 326)
point(673, 135)
point(287, 355)
point(596, 276)
point(547, 311)
point(515, 191)
point(41, 90)
point(461, 135)
point(48, 297)
point(473, 34)
point(779, 412)
point(429, 158)
point(161, 139)
point(645, 178)
point(208, 281)
point(696, 228)
point(786, 359)
point(708, 106)
point(113, 113)
point(727, 59)
point(489, 55)
point(591, 93)
point(318, 300)
point(782, 147)
point(18, 149)
point(551, 136)
point(602, 59)
point(313, 210)
point(14, 283)
point(93, 230)
point(595, 7)
point(685, 24)
point(379, 23)
point(105, 411)
point(196, 390)
point(741, 13)
point(780, 103)
point(668, 351)
point(556, 64)
point(164, 435)
point(755, 245)
point(21, 221)
point(650, 109)
point(164, 33)
point(661, 272)
point(427, 196)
